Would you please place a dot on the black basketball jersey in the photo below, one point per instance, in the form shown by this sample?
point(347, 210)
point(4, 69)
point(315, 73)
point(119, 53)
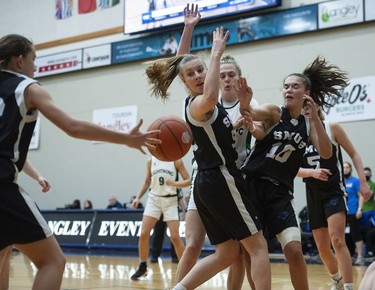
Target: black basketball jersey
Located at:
point(213, 140)
point(279, 155)
point(313, 160)
point(16, 124)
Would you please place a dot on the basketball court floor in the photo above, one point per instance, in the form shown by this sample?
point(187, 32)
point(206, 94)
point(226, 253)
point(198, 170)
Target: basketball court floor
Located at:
point(103, 271)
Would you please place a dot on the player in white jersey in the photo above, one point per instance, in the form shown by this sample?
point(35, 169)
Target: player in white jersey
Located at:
point(162, 182)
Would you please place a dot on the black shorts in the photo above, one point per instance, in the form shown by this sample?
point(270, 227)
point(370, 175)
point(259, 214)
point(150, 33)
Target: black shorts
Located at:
point(223, 202)
point(273, 205)
point(20, 219)
point(322, 203)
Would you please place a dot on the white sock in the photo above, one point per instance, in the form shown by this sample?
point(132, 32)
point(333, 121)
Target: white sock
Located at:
point(179, 287)
point(337, 277)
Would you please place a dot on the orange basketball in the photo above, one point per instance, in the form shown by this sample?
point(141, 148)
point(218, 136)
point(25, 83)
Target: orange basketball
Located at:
point(175, 135)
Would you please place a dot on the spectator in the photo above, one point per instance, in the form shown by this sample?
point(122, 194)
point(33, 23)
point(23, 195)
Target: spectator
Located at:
point(355, 205)
point(75, 205)
point(87, 204)
point(113, 203)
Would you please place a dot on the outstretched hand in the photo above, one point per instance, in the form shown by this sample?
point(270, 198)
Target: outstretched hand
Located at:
point(244, 95)
point(219, 40)
point(138, 139)
point(191, 15)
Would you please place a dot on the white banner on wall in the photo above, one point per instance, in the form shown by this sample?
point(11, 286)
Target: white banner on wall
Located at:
point(58, 63)
point(34, 143)
point(338, 13)
point(370, 10)
point(118, 119)
point(357, 102)
point(97, 56)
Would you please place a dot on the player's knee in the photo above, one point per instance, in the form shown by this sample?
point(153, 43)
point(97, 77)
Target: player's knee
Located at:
point(288, 235)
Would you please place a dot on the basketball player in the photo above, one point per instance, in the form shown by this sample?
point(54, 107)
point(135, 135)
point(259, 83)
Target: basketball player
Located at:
point(195, 231)
point(274, 161)
point(21, 97)
point(31, 171)
point(162, 180)
point(327, 202)
point(220, 192)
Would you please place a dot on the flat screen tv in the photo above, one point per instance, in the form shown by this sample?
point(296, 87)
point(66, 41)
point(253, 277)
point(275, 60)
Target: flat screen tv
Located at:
point(145, 16)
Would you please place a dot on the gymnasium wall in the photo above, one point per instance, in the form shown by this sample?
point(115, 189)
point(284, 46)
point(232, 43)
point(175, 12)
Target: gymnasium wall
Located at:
point(81, 169)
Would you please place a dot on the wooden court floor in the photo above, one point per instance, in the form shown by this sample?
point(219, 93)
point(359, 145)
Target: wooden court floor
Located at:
point(113, 272)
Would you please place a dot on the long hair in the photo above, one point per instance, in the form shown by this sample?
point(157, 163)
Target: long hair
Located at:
point(13, 45)
point(323, 80)
point(161, 73)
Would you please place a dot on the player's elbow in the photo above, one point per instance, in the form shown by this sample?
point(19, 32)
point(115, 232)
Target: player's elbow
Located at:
point(326, 153)
point(73, 129)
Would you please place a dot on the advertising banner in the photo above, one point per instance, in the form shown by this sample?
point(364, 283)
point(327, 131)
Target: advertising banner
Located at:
point(58, 63)
point(97, 56)
point(339, 13)
point(116, 228)
point(70, 227)
point(356, 103)
point(118, 119)
point(369, 10)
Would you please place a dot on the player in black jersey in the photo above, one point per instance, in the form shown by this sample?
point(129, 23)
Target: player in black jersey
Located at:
point(220, 193)
point(21, 97)
point(5, 253)
point(275, 160)
point(327, 202)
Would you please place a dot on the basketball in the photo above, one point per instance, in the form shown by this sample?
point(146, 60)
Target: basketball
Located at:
point(175, 135)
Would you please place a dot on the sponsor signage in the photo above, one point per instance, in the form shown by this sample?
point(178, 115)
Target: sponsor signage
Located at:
point(97, 56)
point(369, 10)
point(356, 103)
point(70, 227)
point(120, 119)
point(339, 13)
point(58, 63)
point(116, 229)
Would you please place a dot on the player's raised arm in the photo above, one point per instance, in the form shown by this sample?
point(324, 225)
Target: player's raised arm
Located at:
point(191, 18)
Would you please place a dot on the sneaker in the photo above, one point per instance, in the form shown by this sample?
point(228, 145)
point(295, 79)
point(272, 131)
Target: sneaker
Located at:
point(141, 272)
point(360, 261)
point(336, 285)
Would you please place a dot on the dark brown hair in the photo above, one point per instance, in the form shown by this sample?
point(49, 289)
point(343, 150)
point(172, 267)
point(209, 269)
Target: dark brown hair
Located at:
point(13, 45)
point(323, 80)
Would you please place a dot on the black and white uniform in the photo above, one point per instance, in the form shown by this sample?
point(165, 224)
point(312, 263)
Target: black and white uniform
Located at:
point(162, 199)
point(324, 198)
point(220, 193)
point(20, 219)
point(271, 168)
point(242, 139)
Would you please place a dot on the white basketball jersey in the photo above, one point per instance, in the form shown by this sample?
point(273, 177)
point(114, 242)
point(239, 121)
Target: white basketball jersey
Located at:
point(233, 110)
point(161, 171)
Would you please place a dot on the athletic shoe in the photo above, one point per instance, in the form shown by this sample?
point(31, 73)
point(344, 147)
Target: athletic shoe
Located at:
point(337, 285)
point(141, 272)
point(360, 261)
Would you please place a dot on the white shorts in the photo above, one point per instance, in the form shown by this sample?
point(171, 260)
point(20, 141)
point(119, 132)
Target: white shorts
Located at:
point(156, 206)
